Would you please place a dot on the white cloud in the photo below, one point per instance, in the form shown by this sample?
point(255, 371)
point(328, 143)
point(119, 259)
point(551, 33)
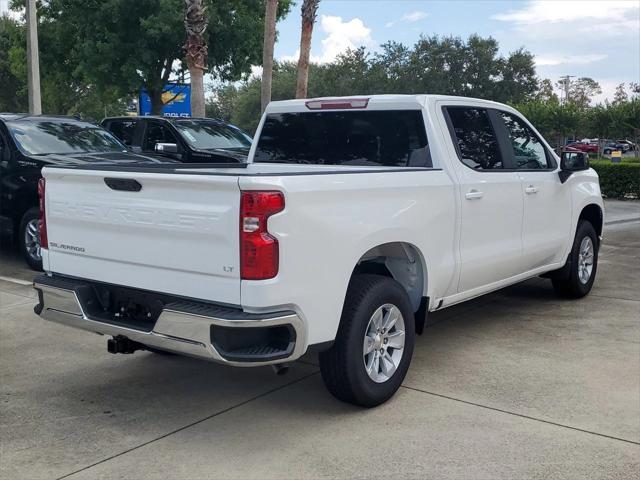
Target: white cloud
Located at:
point(411, 17)
point(554, 59)
point(340, 36)
point(256, 71)
point(14, 14)
point(608, 86)
point(584, 39)
point(541, 11)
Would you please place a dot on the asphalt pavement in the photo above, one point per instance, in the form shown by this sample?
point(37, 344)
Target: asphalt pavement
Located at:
point(515, 384)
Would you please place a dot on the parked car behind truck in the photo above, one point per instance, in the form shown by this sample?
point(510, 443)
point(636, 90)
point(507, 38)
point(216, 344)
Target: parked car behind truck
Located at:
point(434, 200)
point(28, 143)
point(188, 140)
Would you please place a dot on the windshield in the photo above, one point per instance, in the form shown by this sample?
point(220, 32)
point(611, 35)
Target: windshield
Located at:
point(47, 137)
point(209, 135)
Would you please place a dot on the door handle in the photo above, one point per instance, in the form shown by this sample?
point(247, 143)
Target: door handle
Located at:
point(530, 190)
point(474, 195)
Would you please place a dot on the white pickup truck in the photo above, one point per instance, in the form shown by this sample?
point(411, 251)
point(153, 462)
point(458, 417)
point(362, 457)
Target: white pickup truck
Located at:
point(353, 218)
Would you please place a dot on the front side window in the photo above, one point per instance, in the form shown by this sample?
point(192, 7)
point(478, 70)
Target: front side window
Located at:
point(48, 137)
point(528, 151)
point(158, 133)
point(210, 135)
point(389, 138)
point(474, 136)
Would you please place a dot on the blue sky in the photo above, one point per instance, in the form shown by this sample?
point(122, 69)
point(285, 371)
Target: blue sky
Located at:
point(599, 39)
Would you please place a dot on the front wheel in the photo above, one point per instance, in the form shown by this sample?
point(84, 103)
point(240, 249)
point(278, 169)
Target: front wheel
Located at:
point(576, 279)
point(373, 347)
point(29, 238)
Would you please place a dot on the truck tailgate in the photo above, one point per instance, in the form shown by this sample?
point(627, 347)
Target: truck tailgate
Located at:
point(177, 234)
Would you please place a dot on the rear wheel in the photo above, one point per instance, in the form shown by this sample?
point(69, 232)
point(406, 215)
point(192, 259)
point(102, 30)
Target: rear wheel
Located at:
point(373, 347)
point(29, 238)
point(576, 279)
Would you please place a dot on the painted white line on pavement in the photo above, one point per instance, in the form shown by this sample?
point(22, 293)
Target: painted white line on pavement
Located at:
point(15, 280)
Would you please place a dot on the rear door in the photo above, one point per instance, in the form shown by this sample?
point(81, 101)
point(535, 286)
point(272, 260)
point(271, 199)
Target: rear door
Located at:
point(490, 199)
point(167, 232)
point(546, 201)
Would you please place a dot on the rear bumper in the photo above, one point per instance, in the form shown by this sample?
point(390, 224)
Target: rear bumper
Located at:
point(190, 328)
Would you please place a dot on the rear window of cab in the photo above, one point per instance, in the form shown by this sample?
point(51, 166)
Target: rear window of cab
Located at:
point(387, 138)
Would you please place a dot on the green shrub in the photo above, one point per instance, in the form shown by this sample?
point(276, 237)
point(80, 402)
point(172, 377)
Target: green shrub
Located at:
point(608, 160)
point(618, 180)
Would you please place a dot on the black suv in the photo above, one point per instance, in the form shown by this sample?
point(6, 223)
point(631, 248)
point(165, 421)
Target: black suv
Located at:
point(28, 143)
point(189, 140)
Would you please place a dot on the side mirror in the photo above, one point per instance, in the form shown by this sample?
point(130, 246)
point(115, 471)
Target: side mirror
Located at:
point(572, 162)
point(166, 148)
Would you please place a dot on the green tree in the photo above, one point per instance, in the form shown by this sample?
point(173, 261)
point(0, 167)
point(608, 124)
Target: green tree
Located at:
point(620, 95)
point(13, 87)
point(62, 92)
point(124, 45)
point(447, 65)
point(582, 91)
point(554, 121)
point(545, 91)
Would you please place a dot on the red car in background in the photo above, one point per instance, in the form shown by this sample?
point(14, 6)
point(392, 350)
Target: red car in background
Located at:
point(584, 147)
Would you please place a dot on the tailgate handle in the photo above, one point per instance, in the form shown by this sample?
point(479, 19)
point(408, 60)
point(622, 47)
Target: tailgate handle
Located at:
point(124, 184)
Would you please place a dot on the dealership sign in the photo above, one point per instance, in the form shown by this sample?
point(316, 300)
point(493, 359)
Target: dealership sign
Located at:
point(176, 98)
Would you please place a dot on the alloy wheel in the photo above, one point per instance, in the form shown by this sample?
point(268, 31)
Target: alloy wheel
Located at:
point(383, 343)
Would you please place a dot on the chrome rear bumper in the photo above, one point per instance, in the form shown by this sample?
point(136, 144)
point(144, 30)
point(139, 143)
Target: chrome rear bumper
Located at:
point(182, 327)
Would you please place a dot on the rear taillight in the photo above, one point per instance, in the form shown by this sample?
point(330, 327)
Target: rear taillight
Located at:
point(259, 256)
point(44, 241)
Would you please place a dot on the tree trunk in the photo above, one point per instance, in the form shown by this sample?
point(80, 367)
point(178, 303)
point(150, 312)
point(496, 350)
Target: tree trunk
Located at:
point(309, 10)
point(267, 52)
point(155, 95)
point(197, 86)
point(195, 24)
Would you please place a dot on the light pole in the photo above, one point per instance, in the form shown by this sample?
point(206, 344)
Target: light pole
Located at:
point(33, 61)
point(566, 83)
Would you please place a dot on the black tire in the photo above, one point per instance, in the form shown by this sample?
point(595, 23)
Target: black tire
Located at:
point(33, 259)
point(342, 366)
point(566, 282)
point(606, 152)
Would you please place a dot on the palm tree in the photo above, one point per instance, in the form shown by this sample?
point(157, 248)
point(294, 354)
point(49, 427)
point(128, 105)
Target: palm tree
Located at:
point(195, 23)
point(267, 52)
point(309, 11)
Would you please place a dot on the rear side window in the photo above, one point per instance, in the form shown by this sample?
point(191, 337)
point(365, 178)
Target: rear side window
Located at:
point(124, 130)
point(475, 138)
point(528, 151)
point(359, 138)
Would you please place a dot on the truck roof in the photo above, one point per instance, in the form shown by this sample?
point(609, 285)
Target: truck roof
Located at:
point(387, 101)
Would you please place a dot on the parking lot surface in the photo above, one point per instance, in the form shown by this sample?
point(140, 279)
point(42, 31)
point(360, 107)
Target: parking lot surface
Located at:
point(515, 384)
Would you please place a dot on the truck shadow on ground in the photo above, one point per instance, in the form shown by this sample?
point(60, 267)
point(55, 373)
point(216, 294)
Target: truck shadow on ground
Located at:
point(144, 377)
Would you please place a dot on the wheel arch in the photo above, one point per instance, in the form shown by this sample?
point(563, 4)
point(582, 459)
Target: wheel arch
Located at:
point(401, 261)
point(592, 213)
